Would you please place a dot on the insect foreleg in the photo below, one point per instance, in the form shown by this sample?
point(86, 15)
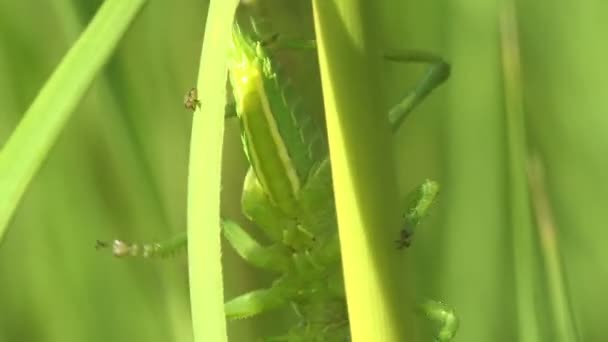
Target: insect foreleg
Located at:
point(161, 249)
point(255, 302)
point(438, 72)
point(263, 257)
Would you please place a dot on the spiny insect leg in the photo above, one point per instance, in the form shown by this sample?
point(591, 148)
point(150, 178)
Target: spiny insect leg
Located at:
point(419, 202)
point(164, 248)
point(442, 316)
point(251, 251)
point(255, 302)
point(438, 72)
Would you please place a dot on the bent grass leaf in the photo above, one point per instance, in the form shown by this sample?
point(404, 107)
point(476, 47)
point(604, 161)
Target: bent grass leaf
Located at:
point(31, 141)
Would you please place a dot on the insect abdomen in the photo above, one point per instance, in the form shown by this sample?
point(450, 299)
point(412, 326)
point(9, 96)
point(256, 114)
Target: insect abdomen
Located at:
point(277, 147)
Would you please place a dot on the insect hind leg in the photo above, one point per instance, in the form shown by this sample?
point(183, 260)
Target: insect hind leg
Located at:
point(254, 303)
point(251, 251)
point(437, 73)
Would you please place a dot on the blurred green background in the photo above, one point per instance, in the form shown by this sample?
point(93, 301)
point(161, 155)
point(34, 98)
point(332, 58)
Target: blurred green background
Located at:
point(119, 169)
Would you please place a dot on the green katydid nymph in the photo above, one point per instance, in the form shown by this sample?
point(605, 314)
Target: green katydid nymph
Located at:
point(288, 194)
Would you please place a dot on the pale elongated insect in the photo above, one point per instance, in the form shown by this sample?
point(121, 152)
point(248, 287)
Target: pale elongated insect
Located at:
point(288, 194)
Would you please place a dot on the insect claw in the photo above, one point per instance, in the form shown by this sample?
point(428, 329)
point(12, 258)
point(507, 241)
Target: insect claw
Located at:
point(101, 244)
point(405, 239)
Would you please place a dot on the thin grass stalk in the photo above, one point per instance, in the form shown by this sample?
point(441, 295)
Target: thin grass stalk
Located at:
point(525, 242)
point(564, 324)
point(204, 178)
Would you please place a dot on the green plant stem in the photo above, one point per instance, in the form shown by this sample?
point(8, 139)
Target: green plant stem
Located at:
point(364, 177)
point(563, 316)
point(204, 254)
point(33, 138)
point(525, 241)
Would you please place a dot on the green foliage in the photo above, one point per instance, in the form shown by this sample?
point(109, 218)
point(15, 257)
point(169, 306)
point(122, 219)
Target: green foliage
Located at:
point(37, 131)
point(119, 169)
point(288, 193)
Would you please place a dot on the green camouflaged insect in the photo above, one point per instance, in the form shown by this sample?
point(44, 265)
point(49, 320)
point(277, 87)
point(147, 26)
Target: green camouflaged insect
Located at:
point(288, 194)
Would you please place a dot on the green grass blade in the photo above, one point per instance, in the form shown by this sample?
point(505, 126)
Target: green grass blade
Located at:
point(28, 146)
point(561, 326)
point(564, 323)
point(565, 85)
point(525, 243)
point(362, 168)
point(470, 245)
point(204, 254)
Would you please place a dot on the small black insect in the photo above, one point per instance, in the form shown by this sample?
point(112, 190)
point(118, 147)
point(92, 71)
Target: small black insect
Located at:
point(191, 100)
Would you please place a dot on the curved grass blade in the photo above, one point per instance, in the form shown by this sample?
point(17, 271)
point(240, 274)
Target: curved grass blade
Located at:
point(204, 254)
point(30, 143)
